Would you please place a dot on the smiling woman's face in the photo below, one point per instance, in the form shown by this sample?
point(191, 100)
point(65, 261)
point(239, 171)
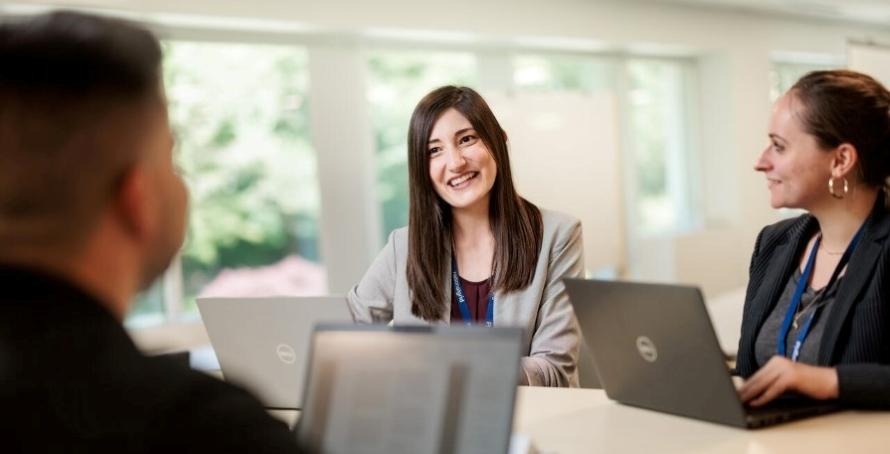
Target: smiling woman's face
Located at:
point(796, 168)
point(462, 168)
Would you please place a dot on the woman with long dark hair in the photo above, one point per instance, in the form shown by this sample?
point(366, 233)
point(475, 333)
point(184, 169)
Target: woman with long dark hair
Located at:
point(817, 310)
point(475, 251)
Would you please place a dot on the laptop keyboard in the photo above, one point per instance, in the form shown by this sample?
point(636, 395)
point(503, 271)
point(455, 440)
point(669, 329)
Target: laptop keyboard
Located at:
point(786, 408)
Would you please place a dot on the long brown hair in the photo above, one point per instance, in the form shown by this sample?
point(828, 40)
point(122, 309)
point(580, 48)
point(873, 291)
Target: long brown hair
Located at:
point(515, 222)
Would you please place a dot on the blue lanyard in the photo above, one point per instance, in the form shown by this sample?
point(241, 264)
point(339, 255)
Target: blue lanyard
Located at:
point(462, 300)
point(798, 292)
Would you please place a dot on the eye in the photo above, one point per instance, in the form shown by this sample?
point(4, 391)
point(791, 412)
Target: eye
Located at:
point(468, 139)
point(779, 148)
point(434, 150)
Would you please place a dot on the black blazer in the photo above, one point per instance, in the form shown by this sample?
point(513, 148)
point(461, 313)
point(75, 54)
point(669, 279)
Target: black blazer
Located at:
point(71, 380)
point(857, 331)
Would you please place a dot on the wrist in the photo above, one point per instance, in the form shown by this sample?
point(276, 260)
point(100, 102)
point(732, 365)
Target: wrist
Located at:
point(825, 383)
point(833, 383)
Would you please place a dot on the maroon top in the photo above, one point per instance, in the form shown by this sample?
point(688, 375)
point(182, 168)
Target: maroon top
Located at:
point(477, 301)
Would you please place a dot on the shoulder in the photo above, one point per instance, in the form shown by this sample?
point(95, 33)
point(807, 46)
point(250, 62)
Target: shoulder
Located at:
point(397, 242)
point(781, 231)
point(399, 235)
point(559, 224)
point(212, 413)
point(562, 232)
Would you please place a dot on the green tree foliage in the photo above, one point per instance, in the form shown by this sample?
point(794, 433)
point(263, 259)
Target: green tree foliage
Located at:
point(397, 81)
point(240, 116)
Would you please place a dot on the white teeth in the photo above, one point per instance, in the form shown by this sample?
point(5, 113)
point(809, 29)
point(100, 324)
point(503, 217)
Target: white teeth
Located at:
point(461, 179)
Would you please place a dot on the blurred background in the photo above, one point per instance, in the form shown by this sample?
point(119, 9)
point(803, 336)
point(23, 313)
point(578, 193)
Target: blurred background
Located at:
point(641, 117)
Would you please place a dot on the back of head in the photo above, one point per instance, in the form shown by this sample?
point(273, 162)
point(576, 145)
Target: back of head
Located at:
point(842, 106)
point(72, 91)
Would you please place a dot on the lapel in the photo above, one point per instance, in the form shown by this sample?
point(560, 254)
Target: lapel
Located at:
point(449, 287)
point(504, 303)
point(858, 274)
point(783, 260)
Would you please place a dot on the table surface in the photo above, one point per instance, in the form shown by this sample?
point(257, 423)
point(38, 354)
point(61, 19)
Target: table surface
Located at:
point(586, 421)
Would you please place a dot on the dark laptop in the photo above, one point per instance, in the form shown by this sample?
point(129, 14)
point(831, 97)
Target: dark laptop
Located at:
point(654, 347)
point(436, 390)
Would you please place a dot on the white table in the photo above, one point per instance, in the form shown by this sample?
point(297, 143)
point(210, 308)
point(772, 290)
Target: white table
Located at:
point(570, 421)
point(585, 421)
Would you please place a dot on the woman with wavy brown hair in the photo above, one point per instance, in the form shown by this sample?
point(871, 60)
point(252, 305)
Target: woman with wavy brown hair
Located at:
point(474, 251)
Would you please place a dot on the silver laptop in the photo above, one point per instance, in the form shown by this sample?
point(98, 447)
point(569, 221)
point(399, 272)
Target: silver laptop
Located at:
point(654, 347)
point(262, 343)
point(417, 390)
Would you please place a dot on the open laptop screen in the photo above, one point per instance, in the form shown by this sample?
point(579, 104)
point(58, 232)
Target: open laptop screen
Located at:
point(411, 390)
point(262, 343)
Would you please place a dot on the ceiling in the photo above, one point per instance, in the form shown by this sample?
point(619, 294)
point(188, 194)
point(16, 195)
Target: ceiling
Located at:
point(876, 12)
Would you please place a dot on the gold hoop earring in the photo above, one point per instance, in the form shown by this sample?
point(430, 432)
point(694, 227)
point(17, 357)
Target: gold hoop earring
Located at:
point(831, 188)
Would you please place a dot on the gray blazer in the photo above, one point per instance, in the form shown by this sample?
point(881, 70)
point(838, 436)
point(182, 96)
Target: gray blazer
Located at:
point(542, 308)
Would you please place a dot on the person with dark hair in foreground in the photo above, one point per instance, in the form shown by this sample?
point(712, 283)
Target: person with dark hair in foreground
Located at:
point(91, 211)
point(815, 317)
point(465, 214)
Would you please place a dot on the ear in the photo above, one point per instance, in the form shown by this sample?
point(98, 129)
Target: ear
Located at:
point(132, 204)
point(845, 160)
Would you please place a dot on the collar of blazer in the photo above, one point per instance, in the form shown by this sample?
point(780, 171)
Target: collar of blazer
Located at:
point(787, 249)
point(860, 272)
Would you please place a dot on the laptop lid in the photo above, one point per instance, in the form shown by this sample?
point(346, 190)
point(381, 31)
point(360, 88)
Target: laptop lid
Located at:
point(378, 389)
point(262, 343)
point(654, 347)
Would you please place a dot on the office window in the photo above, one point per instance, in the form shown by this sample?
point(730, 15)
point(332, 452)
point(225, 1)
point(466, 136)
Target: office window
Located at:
point(783, 75)
point(548, 73)
point(148, 309)
point(396, 82)
point(239, 112)
point(656, 112)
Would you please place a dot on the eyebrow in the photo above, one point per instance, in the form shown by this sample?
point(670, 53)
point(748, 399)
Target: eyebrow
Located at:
point(777, 137)
point(457, 133)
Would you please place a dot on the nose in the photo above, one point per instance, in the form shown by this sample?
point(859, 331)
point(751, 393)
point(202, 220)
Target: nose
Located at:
point(762, 164)
point(455, 158)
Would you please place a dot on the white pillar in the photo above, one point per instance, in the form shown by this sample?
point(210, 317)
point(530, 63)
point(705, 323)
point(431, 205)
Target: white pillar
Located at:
point(349, 229)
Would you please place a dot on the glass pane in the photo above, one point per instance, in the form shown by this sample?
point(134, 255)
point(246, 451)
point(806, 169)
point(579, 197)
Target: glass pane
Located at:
point(149, 306)
point(396, 82)
point(784, 75)
point(656, 110)
point(562, 73)
point(241, 118)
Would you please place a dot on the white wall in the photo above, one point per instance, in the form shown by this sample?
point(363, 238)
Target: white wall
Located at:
point(733, 50)
point(564, 156)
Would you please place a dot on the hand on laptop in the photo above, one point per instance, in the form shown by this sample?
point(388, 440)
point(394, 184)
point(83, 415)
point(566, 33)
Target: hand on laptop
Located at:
point(780, 375)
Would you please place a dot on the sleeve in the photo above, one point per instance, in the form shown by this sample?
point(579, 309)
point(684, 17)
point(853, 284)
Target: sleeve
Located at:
point(744, 366)
point(864, 385)
point(553, 358)
point(371, 300)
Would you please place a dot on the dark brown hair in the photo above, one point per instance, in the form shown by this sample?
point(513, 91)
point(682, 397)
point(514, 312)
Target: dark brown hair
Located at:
point(842, 106)
point(73, 95)
point(515, 222)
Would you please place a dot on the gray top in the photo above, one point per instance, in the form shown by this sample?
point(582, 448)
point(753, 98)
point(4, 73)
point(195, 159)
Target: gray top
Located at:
point(765, 345)
point(542, 308)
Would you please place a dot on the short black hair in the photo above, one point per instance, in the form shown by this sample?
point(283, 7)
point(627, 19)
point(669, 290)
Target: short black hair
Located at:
point(67, 83)
point(77, 55)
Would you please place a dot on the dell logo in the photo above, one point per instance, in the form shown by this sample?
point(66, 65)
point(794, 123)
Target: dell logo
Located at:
point(286, 353)
point(647, 349)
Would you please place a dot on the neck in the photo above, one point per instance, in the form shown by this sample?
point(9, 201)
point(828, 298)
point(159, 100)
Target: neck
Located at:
point(471, 225)
point(839, 219)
